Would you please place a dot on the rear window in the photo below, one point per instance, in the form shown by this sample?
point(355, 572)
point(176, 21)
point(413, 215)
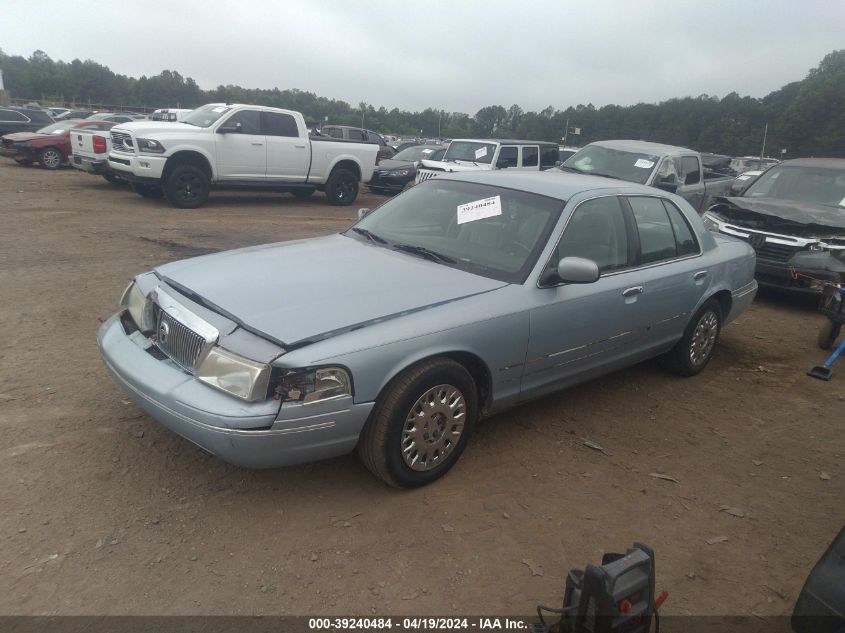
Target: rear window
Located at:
point(12, 115)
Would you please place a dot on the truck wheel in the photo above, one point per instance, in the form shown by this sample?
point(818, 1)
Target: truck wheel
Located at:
point(302, 194)
point(420, 424)
point(692, 353)
point(828, 334)
point(342, 187)
point(147, 191)
point(50, 158)
point(187, 187)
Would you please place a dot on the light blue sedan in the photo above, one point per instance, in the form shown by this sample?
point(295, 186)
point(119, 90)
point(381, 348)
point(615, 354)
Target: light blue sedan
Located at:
point(463, 296)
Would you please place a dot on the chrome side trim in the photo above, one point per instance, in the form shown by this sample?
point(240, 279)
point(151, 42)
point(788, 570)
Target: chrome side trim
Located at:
point(575, 349)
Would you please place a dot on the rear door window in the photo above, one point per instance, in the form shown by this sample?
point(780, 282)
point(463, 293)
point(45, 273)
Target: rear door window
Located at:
point(356, 135)
point(657, 238)
point(333, 132)
point(549, 156)
point(530, 156)
point(684, 237)
point(279, 124)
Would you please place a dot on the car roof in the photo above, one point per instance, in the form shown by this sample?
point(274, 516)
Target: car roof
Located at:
point(502, 141)
point(644, 147)
point(552, 183)
point(829, 163)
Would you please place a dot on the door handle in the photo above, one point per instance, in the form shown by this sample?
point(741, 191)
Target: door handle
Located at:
point(300, 146)
point(634, 290)
point(257, 144)
point(701, 274)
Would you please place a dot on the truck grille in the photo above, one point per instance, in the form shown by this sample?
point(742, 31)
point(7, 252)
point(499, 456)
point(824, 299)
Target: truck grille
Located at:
point(122, 142)
point(774, 252)
point(425, 174)
point(178, 341)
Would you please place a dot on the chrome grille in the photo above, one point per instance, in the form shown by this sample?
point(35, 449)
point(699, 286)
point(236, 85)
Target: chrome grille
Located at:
point(773, 251)
point(178, 341)
point(122, 142)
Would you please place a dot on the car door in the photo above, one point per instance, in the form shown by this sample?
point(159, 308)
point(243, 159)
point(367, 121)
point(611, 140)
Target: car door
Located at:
point(529, 157)
point(672, 273)
point(691, 186)
point(582, 329)
point(288, 156)
point(241, 154)
point(508, 157)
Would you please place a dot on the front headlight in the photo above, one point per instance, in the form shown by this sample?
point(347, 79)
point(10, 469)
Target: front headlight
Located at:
point(149, 146)
point(139, 308)
point(234, 374)
point(710, 222)
point(314, 385)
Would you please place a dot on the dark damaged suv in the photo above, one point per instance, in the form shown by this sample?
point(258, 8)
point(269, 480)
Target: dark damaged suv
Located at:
point(793, 216)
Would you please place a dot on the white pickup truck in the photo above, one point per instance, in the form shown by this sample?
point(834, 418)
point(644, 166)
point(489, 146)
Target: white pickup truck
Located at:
point(229, 146)
point(90, 152)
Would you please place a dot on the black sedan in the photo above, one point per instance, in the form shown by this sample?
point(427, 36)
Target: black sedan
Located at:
point(392, 174)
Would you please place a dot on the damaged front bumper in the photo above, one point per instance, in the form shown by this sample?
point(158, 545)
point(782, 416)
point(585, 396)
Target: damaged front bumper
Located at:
point(798, 264)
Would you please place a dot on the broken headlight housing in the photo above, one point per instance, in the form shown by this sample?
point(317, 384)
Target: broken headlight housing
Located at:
point(313, 385)
point(710, 222)
point(140, 309)
point(247, 379)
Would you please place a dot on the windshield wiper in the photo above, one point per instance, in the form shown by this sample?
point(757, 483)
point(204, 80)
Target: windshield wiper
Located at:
point(425, 252)
point(369, 235)
point(572, 169)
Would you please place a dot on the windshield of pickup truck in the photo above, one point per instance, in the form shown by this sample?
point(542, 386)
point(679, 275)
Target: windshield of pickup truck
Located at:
point(470, 151)
point(57, 128)
point(206, 115)
point(482, 229)
point(814, 185)
point(604, 161)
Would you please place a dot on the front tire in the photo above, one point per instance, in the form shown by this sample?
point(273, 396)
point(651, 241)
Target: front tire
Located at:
point(692, 353)
point(342, 187)
point(187, 187)
point(50, 158)
point(144, 190)
point(828, 334)
point(421, 424)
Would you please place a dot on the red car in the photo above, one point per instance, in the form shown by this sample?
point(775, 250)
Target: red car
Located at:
point(49, 146)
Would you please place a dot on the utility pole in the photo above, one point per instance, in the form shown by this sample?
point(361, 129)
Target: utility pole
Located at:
point(763, 150)
point(565, 132)
point(439, 117)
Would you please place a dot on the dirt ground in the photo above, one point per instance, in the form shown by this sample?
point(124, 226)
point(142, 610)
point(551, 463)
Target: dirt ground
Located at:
point(104, 511)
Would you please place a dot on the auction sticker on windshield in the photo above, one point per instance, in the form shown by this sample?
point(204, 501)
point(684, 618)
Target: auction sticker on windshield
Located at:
point(642, 163)
point(479, 209)
point(481, 152)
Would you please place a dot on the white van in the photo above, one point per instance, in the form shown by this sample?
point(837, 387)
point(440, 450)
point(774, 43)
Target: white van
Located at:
point(169, 114)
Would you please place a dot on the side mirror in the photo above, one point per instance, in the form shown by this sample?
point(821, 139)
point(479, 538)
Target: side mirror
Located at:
point(667, 183)
point(578, 270)
point(502, 163)
point(229, 128)
point(363, 213)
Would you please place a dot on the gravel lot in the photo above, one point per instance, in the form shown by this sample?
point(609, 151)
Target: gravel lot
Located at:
point(106, 512)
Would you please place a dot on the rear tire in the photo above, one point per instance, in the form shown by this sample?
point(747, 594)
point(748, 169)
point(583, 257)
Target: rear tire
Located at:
point(187, 187)
point(420, 424)
point(50, 158)
point(692, 353)
point(828, 334)
point(152, 192)
point(342, 187)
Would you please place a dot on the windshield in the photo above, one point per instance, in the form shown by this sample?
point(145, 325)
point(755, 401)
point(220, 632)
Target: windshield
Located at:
point(816, 185)
point(57, 128)
point(486, 230)
point(604, 161)
point(471, 151)
point(418, 152)
point(206, 115)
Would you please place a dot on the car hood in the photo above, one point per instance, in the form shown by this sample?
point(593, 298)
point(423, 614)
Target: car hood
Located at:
point(155, 127)
point(784, 213)
point(387, 164)
point(304, 291)
point(24, 137)
point(461, 165)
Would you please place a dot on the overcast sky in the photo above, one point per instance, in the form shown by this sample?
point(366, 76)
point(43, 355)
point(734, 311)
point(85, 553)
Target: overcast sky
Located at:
point(458, 55)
